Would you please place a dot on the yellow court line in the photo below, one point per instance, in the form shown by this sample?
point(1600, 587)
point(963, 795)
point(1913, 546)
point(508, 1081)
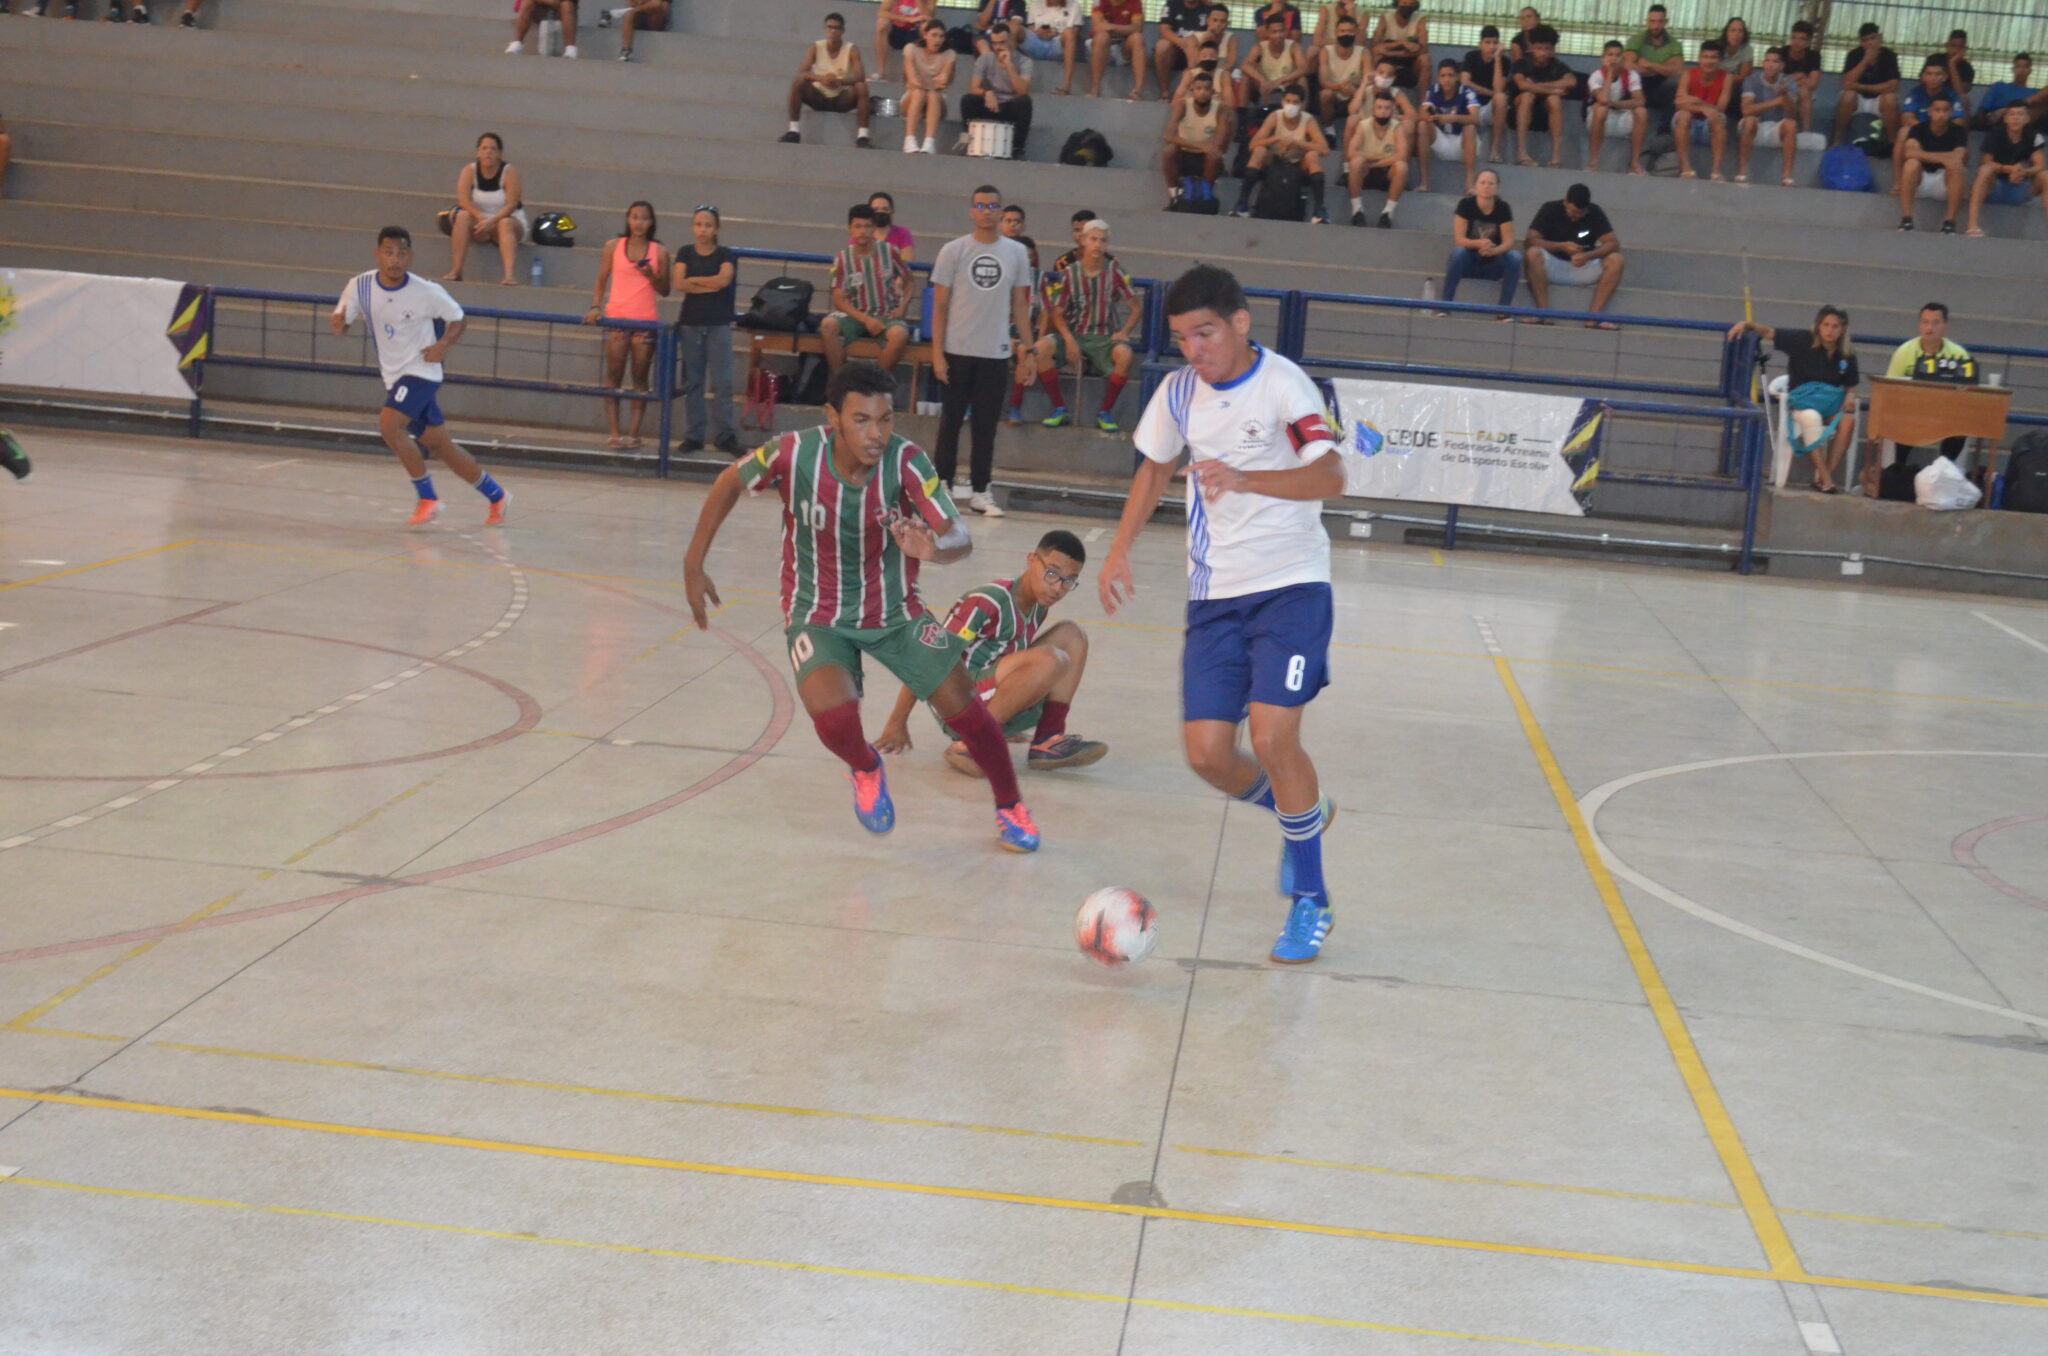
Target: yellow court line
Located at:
point(1004, 1197)
point(1742, 1174)
point(821, 1269)
point(97, 565)
point(67, 1035)
point(670, 1099)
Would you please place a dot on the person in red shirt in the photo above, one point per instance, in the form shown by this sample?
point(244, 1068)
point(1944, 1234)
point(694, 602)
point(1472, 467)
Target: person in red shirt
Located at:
point(1702, 94)
point(1119, 26)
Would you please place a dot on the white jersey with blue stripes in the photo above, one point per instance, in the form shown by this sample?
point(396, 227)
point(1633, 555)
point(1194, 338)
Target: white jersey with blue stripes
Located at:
point(404, 321)
point(1270, 419)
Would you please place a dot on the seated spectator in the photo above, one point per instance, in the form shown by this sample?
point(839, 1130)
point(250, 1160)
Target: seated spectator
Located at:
point(1376, 157)
point(1450, 125)
point(637, 16)
point(1075, 226)
point(1327, 19)
point(1289, 134)
point(488, 207)
point(1181, 21)
point(1285, 12)
point(871, 292)
point(830, 79)
point(1083, 301)
point(888, 230)
point(528, 13)
point(1008, 14)
point(1527, 20)
point(1820, 396)
point(1933, 356)
point(1541, 82)
point(1962, 75)
point(1214, 50)
point(633, 271)
point(1615, 107)
point(1274, 64)
point(1770, 107)
point(1571, 243)
point(1870, 83)
point(2005, 93)
point(1341, 73)
point(1383, 81)
point(1483, 241)
point(1011, 227)
point(2010, 171)
point(704, 275)
point(1119, 28)
point(1914, 103)
point(1052, 32)
point(927, 74)
point(1659, 60)
point(1000, 90)
point(1702, 96)
point(1738, 61)
point(1403, 38)
point(1933, 164)
point(1802, 67)
point(1198, 131)
point(1485, 73)
point(898, 25)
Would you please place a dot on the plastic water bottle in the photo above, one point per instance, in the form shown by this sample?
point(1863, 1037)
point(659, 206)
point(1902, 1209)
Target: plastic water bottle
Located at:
point(1429, 289)
point(534, 274)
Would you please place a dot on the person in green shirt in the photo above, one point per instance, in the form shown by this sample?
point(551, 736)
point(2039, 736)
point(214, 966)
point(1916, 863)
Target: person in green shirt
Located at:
point(1659, 58)
point(1933, 356)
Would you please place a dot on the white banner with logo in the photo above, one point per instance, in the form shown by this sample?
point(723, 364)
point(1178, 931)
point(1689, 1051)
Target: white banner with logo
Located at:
point(1453, 445)
point(111, 336)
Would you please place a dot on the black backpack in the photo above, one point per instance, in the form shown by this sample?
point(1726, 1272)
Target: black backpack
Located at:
point(782, 306)
point(962, 39)
point(2026, 475)
point(1280, 195)
point(1895, 481)
point(1086, 147)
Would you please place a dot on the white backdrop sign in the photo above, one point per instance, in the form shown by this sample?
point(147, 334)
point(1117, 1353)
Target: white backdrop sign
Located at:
point(112, 336)
point(1453, 445)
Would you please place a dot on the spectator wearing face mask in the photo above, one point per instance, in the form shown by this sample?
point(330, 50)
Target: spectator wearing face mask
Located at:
point(1179, 21)
point(1376, 158)
point(1403, 37)
point(1341, 72)
point(890, 231)
point(1289, 134)
point(1198, 131)
point(1214, 50)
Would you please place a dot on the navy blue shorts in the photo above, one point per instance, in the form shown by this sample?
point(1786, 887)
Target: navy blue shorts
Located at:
point(1271, 647)
point(413, 397)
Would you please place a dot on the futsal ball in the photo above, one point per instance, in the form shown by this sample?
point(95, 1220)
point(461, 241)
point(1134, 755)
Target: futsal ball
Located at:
point(1115, 927)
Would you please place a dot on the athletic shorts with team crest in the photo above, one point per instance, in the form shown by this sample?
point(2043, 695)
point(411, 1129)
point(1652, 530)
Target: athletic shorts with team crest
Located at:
point(921, 652)
point(413, 397)
point(1271, 647)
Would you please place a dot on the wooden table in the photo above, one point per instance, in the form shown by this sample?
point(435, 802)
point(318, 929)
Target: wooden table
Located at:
point(1918, 413)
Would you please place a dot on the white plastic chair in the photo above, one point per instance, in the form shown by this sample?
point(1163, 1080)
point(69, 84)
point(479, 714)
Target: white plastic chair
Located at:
point(1778, 410)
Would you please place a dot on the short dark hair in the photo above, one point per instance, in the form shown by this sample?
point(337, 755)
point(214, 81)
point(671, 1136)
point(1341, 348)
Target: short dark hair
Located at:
point(1868, 31)
point(1777, 52)
point(1712, 45)
point(1933, 63)
point(1802, 26)
point(985, 188)
point(1958, 33)
point(885, 195)
point(1013, 207)
point(1941, 98)
point(860, 211)
point(492, 136)
point(395, 233)
point(1935, 306)
point(859, 377)
point(1085, 214)
point(1297, 91)
point(1490, 31)
point(1543, 33)
point(1343, 19)
point(2027, 57)
point(836, 18)
point(1066, 543)
point(1206, 287)
point(1446, 65)
point(1659, 9)
point(1578, 195)
point(1272, 19)
point(1224, 8)
point(1613, 45)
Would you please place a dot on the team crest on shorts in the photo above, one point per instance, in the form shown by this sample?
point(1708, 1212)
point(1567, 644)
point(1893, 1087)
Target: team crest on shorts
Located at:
point(932, 634)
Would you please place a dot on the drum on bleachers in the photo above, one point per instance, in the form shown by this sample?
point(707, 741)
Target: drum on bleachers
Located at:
point(991, 140)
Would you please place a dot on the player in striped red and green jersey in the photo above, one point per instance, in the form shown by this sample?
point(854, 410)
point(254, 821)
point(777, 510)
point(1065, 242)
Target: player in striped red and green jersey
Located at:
point(871, 291)
point(1026, 671)
point(1084, 297)
point(861, 508)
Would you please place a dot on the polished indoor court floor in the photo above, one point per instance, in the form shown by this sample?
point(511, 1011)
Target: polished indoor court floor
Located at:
point(425, 942)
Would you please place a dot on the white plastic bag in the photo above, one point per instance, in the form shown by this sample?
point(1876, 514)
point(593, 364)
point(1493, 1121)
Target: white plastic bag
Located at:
point(1940, 485)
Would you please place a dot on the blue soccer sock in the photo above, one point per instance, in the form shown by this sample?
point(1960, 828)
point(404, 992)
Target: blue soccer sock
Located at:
point(1304, 848)
point(425, 486)
point(489, 488)
point(1259, 793)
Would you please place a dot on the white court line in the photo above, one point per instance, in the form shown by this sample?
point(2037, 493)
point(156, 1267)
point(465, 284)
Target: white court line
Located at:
point(2020, 636)
point(44, 562)
point(1092, 534)
point(1591, 803)
point(273, 465)
point(6, 1171)
point(1820, 1339)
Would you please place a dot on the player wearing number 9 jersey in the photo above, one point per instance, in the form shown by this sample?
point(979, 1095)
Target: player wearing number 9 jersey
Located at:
point(1259, 610)
point(861, 507)
point(413, 323)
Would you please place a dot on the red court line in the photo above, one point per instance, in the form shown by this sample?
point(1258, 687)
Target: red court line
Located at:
point(110, 640)
point(1965, 852)
point(771, 734)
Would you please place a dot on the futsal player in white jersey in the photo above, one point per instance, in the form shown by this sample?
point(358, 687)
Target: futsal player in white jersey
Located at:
point(1259, 611)
point(413, 324)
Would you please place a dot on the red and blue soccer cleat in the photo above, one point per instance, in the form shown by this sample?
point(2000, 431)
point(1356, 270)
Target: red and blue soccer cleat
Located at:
point(1015, 829)
point(871, 803)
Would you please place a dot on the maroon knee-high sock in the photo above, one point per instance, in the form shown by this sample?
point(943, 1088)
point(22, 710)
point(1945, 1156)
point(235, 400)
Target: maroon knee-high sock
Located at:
point(1052, 721)
point(1016, 394)
point(977, 729)
point(1110, 391)
point(839, 731)
point(1050, 380)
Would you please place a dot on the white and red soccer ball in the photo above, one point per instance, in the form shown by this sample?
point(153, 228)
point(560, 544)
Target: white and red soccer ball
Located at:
point(1116, 927)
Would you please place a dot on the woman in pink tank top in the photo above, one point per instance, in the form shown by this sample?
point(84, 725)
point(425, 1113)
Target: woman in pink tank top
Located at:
point(630, 276)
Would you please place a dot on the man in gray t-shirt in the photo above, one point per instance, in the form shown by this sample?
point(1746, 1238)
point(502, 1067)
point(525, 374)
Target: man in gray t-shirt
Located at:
point(981, 311)
point(1000, 89)
point(1769, 108)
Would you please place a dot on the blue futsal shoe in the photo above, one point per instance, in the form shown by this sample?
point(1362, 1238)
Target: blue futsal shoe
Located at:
point(1014, 829)
point(871, 803)
point(1329, 809)
point(1308, 923)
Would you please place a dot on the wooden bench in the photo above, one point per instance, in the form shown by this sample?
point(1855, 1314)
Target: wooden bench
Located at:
point(772, 344)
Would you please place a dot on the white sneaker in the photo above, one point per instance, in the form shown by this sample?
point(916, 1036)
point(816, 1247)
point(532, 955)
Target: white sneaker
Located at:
point(910, 145)
point(930, 147)
point(569, 52)
point(984, 505)
point(515, 49)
